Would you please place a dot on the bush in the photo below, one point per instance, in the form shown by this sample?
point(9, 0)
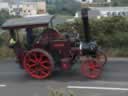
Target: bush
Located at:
point(1, 41)
point(6, 52)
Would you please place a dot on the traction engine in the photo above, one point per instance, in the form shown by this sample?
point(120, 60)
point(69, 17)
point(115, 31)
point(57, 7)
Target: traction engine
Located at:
point(51, 50)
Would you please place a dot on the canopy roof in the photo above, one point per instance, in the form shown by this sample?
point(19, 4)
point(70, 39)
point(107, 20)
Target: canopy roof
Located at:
point(36, 21)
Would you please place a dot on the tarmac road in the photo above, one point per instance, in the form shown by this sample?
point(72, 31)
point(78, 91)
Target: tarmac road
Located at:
point(114, 81)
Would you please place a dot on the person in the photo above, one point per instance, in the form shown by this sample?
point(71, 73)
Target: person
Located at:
point(12, 43)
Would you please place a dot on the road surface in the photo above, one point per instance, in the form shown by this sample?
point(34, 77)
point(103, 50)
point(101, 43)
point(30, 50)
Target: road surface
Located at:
point(114, 81)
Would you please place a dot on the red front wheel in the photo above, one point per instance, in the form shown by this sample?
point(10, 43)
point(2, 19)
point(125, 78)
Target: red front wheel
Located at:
point(91, 69)
point(38, 64)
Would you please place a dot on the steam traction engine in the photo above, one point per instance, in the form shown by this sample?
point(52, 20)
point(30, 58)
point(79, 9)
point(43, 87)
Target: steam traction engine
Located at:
point(51, 50)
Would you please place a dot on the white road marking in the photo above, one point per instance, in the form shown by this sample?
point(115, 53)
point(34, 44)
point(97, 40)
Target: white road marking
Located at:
point(98, 88)
point(3, 85)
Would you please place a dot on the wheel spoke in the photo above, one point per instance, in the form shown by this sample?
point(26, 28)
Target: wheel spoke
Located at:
point(33, 65)
point(33, 71)
point(45, 61)
point(31, 60)
point(40, 57)
point(43, 73)
point(35, 56)
point(45, 67)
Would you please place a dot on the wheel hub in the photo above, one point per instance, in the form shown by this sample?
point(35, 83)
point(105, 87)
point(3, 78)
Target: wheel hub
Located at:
point(38, 64)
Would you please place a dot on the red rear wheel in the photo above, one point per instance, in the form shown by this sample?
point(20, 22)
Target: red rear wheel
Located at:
point(91, 69)
point(38, 64)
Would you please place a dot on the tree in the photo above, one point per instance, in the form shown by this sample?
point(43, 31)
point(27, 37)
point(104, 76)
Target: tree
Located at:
point(63, 6)
point(115, 3)
point(4, 15)
point(119, 2)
